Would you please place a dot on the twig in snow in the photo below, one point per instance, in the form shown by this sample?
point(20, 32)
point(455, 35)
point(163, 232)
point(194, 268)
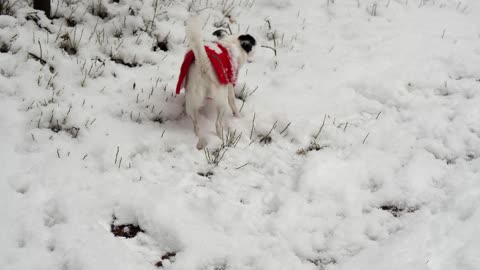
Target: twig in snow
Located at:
point(42, 61)
point(241, 166)
point(271, 48)
point(116, 155)
point(254, 90)
point(285, 129)
point(41, 51)
point(253, 126)
point(365, 139)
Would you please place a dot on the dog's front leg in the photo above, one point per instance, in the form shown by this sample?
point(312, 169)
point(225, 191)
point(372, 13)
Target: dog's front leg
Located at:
point(231, 101)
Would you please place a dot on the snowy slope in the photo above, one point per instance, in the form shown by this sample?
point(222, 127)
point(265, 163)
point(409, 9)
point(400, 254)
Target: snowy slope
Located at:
point(364, 151)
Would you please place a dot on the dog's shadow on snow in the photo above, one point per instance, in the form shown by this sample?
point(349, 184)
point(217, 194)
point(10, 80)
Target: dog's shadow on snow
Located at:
point(182, 124)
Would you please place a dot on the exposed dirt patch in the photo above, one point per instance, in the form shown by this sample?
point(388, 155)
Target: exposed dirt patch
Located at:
point(314, 146)
point(398, 210)
point(121, 61)
point(208, 174)
point(323, 262)
point(170, 256)
point(125, 230)
point(161, 45)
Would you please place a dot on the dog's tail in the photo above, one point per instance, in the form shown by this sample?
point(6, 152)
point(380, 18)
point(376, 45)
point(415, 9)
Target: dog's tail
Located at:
point(195, 40)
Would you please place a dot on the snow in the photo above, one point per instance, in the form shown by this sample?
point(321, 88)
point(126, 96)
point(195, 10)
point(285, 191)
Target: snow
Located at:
point(386, 91)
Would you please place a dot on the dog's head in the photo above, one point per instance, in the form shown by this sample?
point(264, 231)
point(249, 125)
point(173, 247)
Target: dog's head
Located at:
point(245, 43)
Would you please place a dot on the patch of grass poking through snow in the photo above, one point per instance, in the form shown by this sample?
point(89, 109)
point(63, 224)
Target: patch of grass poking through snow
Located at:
point(221, 266)
point(229, 139)
point(214, 156)
point(57, 124)
point(98, 9)
point(372, 10)
point(70, 42)
point(267, 139)
point(71, 20)
point(271, 35)
point(7, 7)
point(227, 8)
point(244, 94)
point(56, 127)
point(158, 118)
point(314, 145)
point(6, 45)
point(93, 70)
point(42, 61)
point(33, 16)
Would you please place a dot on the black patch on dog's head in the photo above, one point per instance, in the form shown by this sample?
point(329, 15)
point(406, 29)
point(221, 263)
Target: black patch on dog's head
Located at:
point(247, 42)
point(220, 33)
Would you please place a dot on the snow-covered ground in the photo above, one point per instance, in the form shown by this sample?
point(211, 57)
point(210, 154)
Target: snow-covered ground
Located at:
point(364, 151)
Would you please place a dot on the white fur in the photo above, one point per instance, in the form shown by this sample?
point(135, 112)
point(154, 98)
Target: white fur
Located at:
point(202, 88)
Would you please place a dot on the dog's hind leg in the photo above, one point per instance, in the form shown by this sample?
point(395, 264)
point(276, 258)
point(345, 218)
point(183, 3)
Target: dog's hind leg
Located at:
point(231, 102)
point(194, 117)
point(202, 141)
point(219, 122)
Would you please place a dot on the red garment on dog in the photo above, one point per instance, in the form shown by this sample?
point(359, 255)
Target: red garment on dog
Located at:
point(221, 62)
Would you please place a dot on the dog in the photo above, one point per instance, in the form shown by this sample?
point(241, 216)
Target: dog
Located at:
point(209, 74)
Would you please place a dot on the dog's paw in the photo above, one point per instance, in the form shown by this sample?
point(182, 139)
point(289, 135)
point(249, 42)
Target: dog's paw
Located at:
point(237, 114)
point(202, 142)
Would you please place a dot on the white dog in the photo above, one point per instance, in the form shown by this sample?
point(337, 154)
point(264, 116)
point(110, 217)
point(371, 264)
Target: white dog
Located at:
point(209, 73)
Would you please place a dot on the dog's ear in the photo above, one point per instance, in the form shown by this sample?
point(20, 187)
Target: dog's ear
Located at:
point(247, 42)
point(220, 33)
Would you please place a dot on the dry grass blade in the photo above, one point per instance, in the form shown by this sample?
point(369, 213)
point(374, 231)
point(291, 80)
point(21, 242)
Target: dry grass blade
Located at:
point(215, 156)
point(321, 128)
point(231, 138)
point(267, 138)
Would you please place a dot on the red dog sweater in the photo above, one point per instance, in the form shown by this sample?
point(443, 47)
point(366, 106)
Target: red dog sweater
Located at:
point(221, 62)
